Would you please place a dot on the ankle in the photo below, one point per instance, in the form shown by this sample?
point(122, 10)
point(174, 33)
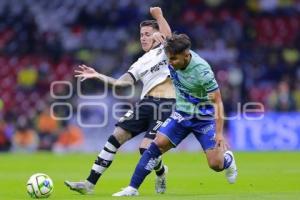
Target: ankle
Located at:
point(132, 188)
point(89, 184)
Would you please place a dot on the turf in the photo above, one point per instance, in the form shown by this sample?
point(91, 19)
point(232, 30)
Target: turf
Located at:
point(262, 176)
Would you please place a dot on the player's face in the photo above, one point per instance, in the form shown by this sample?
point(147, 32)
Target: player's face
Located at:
point(179, 61)
point(146, 37)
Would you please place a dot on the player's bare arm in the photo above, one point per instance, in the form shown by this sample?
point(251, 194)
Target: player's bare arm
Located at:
point(216, 99)
point(164, 89)
point(84, 72)
point(164, 27)
point(158, 37)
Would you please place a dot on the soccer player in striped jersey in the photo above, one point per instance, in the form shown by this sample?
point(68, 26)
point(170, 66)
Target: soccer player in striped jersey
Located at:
point(199, 110)
point(155, 106)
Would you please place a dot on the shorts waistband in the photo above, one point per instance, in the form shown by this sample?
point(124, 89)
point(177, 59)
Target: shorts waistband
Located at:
point(158, 98)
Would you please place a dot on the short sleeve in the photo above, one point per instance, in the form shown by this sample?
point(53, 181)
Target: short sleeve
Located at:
point(134, 70)
point(208, 81)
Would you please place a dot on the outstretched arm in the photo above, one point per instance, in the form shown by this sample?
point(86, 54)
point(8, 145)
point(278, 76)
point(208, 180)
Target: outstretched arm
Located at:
point(84, 72)
point(164, 27)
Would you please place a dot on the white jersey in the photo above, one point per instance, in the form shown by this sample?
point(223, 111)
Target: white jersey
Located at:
point(152, 69)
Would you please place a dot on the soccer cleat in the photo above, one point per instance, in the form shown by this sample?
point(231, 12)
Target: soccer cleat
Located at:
point(161, 182)
point(231, 172)
point(128, 191)
point(83, 187)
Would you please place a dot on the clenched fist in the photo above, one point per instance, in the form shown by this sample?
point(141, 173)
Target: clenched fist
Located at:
point(156, 12)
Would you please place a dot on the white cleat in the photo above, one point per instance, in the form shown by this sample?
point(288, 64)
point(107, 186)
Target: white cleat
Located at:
point(231, 172)
point(82, 187)
point(161, 182)
point(128, 191)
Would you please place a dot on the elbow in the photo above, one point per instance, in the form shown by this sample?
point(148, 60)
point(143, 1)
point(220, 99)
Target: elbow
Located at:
point(168, 33)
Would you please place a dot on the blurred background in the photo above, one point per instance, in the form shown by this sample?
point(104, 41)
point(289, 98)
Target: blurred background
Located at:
point(253, 47)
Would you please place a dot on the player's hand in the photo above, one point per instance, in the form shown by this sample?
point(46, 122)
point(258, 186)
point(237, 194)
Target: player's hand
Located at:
point(158, 37)
point(221, 143)
point(84, 72)
point(156, 12)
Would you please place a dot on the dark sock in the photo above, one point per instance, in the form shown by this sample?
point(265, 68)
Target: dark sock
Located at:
point(146, 164)
point(104, 159)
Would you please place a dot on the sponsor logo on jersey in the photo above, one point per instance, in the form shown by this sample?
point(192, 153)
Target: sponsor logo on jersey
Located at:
point(156, 67)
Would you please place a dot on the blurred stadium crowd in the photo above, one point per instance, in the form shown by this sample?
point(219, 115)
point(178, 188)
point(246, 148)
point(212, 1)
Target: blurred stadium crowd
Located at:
point(252, 45)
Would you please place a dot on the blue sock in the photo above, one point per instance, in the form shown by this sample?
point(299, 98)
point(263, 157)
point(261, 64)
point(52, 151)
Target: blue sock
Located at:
point(146, 164)
point(227, 160)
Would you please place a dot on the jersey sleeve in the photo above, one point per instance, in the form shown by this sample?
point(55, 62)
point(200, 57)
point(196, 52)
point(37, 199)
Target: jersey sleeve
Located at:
point(134, 70)
point(208, 81)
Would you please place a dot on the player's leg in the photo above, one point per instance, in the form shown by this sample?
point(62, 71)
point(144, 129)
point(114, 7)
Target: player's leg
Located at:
point(161, 170)
point(165, 108)
point(218, 158)
point(215, 158)
point(158, 110)
point(148, 161)
point(230, 169)
point(107, 154)
point(103, 161)
point(130, 125)
point(145, 144)
point(171, 133)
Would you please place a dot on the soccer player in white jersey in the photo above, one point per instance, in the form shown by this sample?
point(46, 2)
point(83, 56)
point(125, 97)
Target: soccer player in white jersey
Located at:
point(157, 100)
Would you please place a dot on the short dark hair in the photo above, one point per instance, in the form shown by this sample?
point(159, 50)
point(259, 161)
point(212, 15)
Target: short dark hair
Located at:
point(177, 43)
point(152, 23)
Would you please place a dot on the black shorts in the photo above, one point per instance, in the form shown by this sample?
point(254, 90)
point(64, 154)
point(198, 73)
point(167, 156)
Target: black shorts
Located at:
point(147, 116)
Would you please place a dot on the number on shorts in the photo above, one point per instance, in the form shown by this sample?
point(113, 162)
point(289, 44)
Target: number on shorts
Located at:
point(158, 124)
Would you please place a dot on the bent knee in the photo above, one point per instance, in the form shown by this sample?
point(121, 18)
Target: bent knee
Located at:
point(163, 143)
point(121, 135)
point(145, 143)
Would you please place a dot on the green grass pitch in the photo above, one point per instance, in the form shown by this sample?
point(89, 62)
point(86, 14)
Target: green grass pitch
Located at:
point(262, 176)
